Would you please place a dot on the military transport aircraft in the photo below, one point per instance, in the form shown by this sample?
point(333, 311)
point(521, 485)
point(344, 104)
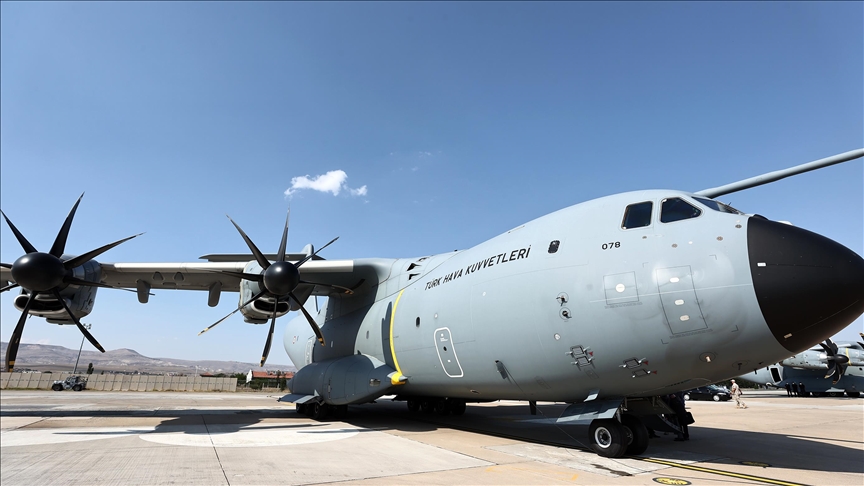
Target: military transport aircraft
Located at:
point(605, 305)
point(830, 369)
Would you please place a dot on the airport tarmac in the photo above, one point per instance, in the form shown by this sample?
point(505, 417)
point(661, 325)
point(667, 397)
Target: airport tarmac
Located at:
point(155, 438)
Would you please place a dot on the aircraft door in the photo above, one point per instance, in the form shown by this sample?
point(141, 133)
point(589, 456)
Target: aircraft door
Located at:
point(775, 374)
point(310, 348)
point(447, 353)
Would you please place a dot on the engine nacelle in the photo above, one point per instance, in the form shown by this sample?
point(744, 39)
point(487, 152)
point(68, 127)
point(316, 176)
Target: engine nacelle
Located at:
point(80, 299)
point(818, 360)
point(807, 360)
point(262, 310)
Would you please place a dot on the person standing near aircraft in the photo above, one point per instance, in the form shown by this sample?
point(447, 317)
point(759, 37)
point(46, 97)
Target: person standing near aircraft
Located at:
point(676, 403)
point(801, 391)
point(795, 390)
point(736, 394)
point(788, 389)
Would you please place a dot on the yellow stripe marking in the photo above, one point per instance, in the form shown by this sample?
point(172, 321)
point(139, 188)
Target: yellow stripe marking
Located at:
point(724, 473)
point(398, 378)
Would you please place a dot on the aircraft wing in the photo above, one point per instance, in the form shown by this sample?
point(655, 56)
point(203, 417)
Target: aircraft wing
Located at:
point(202, 276)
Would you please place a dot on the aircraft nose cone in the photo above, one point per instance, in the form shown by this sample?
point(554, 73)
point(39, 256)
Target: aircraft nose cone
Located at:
point(808, 287)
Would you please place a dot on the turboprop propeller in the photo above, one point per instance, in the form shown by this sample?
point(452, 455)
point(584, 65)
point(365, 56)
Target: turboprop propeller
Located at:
point(279, 279)
point(836, 362)
point(47, 273)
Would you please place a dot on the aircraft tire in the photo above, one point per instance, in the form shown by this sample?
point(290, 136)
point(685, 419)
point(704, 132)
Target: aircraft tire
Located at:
point(457, 407)
point(608, 437)
point(300, 408)
point(413, 405)
point(339, 411)
point(441, 407)
point(57, 387)
point(853, 394)
point(834, 394)
point(318, 411)
point(638, 433)
point(427, 406)
point(77, 388)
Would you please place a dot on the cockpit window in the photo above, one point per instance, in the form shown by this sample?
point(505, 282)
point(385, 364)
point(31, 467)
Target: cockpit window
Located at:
point(717, 205)
point(637, 215)
point(677, 209)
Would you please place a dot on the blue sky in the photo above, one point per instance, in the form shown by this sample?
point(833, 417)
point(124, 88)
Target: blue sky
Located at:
point(452, 122)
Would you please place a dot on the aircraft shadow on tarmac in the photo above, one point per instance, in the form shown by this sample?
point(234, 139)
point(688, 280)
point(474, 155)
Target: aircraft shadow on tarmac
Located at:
point(504, 420)
point(514, 422)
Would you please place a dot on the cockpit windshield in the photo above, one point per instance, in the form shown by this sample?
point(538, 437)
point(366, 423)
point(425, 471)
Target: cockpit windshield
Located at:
point(676, 209)
point(717, 205)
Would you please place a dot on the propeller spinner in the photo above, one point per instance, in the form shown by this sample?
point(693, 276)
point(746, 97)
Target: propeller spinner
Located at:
point(279, 279)
point(46, 273)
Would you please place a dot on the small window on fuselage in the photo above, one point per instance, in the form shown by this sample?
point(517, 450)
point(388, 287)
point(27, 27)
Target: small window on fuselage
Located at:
point(637, 215)
point(676, 209)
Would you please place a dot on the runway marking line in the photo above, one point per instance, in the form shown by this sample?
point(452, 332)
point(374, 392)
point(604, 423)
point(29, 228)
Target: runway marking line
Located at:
point(723, 473)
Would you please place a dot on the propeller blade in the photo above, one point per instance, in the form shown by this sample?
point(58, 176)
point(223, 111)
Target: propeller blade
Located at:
point(259, 257)
point(269, 341)
point(345, 290)
point(15, 340)
point(826, 348)
point(59, 245)
point(9, 287)
point(841, 369)
point(832, 368)
point(6, 265)
point(832, 345)
point(253, 299)
point(301, 262)
point(23, 241)
point(81, 328)
point(269, 335)
point(311, 321)
point(284, 243)
point(81, 259)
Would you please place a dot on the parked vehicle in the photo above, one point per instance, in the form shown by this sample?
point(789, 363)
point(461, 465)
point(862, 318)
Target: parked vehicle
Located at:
point(75, 383)
point(710, 392)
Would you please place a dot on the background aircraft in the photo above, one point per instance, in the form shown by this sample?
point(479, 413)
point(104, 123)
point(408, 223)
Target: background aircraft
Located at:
point(829, 369)
point(605, 305)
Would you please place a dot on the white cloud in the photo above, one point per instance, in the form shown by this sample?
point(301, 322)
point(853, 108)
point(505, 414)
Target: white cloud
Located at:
point(332, 182)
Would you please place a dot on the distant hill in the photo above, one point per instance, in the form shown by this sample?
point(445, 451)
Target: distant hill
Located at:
point(43, 357)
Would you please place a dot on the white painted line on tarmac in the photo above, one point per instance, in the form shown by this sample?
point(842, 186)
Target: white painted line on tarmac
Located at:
point(199, 435)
